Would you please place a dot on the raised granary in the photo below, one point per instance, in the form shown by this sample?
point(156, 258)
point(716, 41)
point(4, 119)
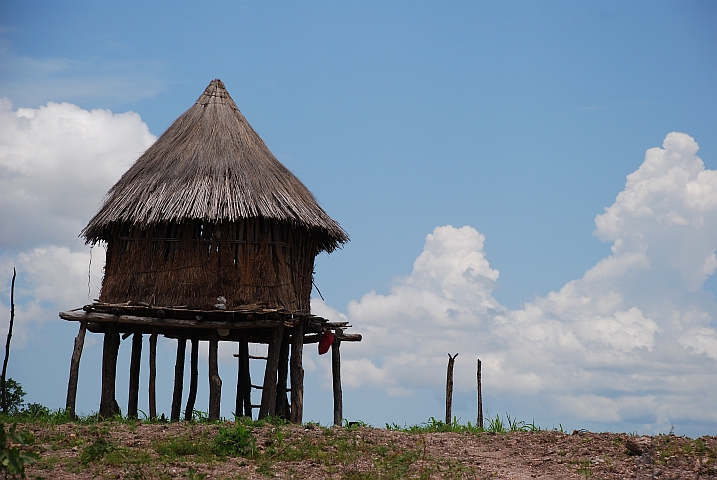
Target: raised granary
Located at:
point(210, 238)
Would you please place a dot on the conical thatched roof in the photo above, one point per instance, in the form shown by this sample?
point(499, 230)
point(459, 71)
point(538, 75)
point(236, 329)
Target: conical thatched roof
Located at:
point(211, 165)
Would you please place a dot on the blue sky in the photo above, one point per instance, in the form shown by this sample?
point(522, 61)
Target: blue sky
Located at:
point(521, 120)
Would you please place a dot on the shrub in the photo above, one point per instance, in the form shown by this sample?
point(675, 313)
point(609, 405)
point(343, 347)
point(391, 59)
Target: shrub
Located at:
point(15, 451)
point(14, 396)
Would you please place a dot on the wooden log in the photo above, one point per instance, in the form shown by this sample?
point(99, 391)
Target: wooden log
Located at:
point(108, 402)
point(134, 365)
point(153, 376)
point(449, 389)
point(282, 404)
point(336, 376)
point(98, 317)
point(75, 370)
point(480, 396)
point(178, 380)
point(243, 400)
point(297, 373)
point(193, 380)
point(344, 337)
point(268, 394)
point(215, 382)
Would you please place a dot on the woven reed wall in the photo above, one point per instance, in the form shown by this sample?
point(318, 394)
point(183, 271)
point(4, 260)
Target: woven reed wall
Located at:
point(249, 261)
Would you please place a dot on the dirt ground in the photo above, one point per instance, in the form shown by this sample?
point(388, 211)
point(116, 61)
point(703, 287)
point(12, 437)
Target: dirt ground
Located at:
point(184, 450)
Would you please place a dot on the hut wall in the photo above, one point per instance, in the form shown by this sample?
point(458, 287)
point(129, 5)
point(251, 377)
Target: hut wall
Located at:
point(249, 261)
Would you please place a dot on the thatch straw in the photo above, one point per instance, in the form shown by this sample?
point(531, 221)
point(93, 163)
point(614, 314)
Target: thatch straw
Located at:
point(210, 165)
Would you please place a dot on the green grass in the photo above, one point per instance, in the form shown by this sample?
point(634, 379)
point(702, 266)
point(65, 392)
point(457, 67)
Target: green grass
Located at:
point(495, 425)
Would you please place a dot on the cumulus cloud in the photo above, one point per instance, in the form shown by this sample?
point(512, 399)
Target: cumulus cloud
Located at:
point(633, 338)
point(56, 164)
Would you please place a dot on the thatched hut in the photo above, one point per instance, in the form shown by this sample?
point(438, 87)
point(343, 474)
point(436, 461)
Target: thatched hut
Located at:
point(209, 237)
point(209, 212)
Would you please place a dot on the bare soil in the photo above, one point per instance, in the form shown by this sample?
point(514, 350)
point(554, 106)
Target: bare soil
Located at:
point(184, 450)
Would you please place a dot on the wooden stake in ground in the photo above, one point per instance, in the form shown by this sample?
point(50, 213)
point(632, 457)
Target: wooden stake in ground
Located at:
point(215, 382)
point(449, 388)
point(480, 397)
point(297, 373)
point(193, 380)
point(75, 370)
point(178, 380)
point(110, 348)
point(153, 376)
point(268, 393)
point(243, 401)
point(134, 365)
point(282, 405)
point(336, 374)
point(7, 344)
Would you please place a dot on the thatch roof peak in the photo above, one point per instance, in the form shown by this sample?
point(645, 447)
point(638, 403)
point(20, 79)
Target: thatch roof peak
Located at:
point(211, 165)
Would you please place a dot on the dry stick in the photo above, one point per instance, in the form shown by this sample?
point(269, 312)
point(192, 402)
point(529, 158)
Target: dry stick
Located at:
point(134, 367)
point(336, 375)
point(178, 380)
point(110, 348)
point(297, 373)
point(480, 397)
point(153, 376)
point(7, 343)
point(75, 370)
point(215, 382)
point(193, 380)
point(449, 388)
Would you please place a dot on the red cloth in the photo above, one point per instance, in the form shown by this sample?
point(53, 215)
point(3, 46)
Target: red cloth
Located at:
point(327, 338)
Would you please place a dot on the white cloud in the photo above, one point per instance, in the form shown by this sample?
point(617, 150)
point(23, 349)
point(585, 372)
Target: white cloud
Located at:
point(56, 164)
point(634, 330)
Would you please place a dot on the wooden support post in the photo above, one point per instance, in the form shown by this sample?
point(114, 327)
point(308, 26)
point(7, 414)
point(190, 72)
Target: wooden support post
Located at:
point(75, 370)
point(243, 400)
point(178, 380)
point(336, 374)
point(282, 404)
point(215, 383)
point(153, 376)
point(110, 349)
point(480, 396)
point(297, 373)
point(268, 393)
point(193, 380)
point(449, 389)
point(134, 364)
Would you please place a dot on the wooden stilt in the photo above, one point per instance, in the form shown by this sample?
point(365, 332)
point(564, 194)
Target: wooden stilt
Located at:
point(479, 421)
point(134, 365)
point(336, 375)
point(282, 404)
point(243, 401)
point(152, 376)
point(193, 380)
point(297, 373)
point(449, 389)
point(215, 383)
point(75, 370)
point(178, 380)
point(108, 402)
point(268, 393)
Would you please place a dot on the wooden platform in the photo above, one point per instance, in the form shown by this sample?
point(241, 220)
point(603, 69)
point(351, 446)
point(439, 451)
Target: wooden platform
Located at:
point(282, 330)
